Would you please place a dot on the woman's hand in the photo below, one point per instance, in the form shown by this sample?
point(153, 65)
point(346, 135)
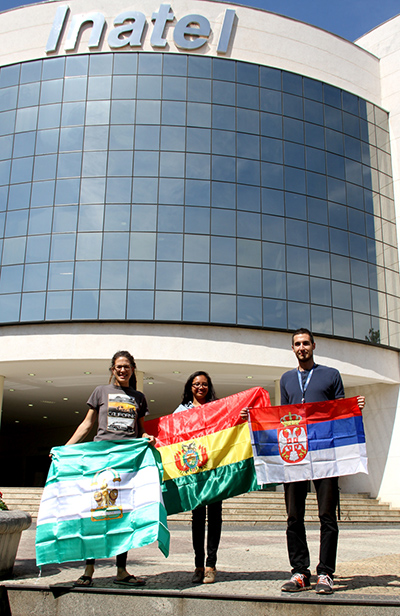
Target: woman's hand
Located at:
point(150, 438)
point(244, 414)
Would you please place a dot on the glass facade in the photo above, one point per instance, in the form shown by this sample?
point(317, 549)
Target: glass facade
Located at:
point(184, 188)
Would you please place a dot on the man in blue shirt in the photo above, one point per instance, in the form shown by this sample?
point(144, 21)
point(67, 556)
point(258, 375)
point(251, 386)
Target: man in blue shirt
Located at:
point(310, 382)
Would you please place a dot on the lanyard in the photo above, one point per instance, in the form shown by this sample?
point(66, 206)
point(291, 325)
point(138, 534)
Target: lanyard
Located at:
point(304, 388)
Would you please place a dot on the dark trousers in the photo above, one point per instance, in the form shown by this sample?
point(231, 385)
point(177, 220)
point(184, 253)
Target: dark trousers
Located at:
point(295, 498)
point(120, 560)
point(214, 519)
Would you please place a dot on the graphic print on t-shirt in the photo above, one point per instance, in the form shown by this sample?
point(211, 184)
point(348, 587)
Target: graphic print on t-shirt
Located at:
point(122, 412)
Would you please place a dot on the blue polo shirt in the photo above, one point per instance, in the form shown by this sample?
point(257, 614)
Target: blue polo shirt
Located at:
point(325, 384)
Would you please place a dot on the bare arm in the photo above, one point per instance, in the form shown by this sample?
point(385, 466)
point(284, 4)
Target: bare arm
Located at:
point(84, 428)
point(143, 434)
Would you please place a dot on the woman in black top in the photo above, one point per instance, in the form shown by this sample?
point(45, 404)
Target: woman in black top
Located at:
point(199, 390)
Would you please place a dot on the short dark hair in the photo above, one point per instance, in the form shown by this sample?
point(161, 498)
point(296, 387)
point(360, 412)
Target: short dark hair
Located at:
point(129, 357)
point(305, 331)
point(187, 391)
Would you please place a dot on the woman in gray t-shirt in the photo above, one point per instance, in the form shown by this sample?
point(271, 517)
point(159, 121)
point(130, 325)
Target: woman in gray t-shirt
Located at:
point(119, 410)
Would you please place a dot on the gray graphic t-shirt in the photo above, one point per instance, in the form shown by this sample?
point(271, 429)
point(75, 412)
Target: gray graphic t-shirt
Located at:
point(119, 409)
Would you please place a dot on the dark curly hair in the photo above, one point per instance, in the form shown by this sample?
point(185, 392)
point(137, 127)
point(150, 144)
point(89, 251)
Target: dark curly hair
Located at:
point(187, 391)
point(129, 357)
point(305, 332)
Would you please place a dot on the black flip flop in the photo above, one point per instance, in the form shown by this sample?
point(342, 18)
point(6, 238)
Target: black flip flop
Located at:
point(83, 582)
point(130, 580)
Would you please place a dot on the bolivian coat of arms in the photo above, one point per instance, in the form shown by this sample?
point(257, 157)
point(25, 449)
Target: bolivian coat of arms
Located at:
point(191, 458)
point(292, 439)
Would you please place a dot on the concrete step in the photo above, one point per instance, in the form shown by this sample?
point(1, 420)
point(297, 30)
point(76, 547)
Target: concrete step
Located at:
point(56, 601)
point(253, 508)
point(365, 506)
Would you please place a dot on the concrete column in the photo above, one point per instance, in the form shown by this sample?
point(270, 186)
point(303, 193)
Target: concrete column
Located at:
point(1, 395)
point(277, 392)
point(139, 380)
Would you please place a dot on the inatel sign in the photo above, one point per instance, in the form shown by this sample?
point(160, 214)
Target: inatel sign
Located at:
point(190, 32)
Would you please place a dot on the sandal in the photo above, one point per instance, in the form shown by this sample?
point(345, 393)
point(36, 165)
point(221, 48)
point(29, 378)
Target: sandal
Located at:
point(83, 581)
point(130, 580)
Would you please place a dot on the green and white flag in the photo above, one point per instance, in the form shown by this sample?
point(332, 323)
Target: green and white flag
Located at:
point(101, 499)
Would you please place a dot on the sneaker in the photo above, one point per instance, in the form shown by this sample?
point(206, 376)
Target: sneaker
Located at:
point(198, 575)
point(209, 575)
point(297, 582)
point(324, 585)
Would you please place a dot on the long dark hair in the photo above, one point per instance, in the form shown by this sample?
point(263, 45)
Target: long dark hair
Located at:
point(129, 357)
point(187, 392)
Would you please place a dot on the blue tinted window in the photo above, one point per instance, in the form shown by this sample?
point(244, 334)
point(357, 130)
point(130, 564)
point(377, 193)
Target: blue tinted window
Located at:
point(197, 192)
point(174, 64)
point(248, 121)
point(199, 90)
point(223, 308)
point(274, 314)
point(196, 277)
point(11, 279)
point(8, 98)
point(9, 75)
point(32, 306)
point(313, 112)
point(223, 70)
point(270, 78)
point(124, 87)
point(298, 288)
point(199, 67)
point(58, 306)
point(168, 305)
point(223, 93)
point(321, 319)
point(35, 277)
point(247, 96)
point(292, 83)
point(37, 248)
point(195, 307)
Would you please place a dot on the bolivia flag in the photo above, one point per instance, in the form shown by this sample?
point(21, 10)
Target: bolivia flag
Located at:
point(101, 499)
point(206, 451)
point(308, 441)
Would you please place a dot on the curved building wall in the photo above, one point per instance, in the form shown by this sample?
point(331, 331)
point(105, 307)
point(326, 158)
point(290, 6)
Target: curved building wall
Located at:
point(213, 190)
point(184, 188)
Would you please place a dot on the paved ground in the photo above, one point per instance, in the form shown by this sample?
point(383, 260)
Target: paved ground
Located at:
point(250, 562)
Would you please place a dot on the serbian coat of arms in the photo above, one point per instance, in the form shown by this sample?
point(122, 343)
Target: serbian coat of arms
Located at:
point(292, 439)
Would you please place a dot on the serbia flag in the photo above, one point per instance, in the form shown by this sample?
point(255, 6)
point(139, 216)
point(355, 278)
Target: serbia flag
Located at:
point(308, 441)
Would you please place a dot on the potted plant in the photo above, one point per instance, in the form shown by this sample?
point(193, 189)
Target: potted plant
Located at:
point(12, 523)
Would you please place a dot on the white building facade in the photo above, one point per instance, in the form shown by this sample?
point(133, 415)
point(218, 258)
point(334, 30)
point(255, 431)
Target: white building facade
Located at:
point(193, 181)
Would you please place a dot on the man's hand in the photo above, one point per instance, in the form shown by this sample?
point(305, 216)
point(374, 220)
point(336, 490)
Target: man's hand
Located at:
point(361, 402)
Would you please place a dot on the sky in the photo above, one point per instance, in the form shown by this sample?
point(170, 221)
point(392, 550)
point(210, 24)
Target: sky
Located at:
point(347, 18)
